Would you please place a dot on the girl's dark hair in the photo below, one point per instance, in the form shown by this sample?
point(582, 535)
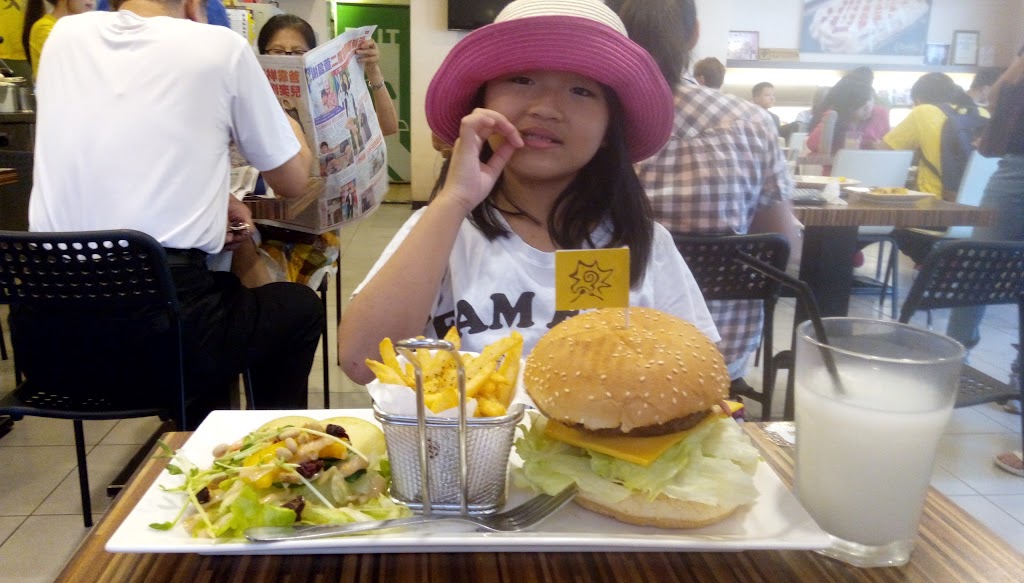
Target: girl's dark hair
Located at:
point(33, 12)
point(846, 97)
point(606, 188)
point(862, 74)
point(281, 22)
point(937, 88)
point(665, 28)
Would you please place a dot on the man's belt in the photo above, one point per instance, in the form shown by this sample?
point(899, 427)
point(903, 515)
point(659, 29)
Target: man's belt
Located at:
point(185, 257)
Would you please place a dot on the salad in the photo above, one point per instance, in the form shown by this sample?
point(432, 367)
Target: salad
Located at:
point(292, 470)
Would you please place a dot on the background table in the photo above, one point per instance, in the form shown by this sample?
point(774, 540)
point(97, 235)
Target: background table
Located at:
point(951, 546)
point(830, 240)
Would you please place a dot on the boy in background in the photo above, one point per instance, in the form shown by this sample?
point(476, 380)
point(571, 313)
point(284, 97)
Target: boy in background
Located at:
point(764, 95)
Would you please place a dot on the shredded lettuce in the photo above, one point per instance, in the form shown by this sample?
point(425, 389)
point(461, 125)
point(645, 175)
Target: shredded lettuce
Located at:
point(714, 464)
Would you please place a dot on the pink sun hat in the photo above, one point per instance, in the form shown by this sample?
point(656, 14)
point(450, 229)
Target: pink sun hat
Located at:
point(578, 36)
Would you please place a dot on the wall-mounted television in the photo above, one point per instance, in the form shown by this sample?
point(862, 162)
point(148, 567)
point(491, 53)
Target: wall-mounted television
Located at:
point(470, 14)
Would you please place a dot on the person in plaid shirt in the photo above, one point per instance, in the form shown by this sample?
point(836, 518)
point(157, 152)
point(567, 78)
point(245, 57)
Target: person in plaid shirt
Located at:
point(721, 172)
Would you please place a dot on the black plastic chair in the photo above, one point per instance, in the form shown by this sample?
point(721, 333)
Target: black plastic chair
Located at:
point(721, 275)
point(106, 274)
point(964, 273)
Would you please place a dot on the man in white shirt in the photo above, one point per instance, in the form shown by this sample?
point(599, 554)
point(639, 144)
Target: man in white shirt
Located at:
point(136, 112)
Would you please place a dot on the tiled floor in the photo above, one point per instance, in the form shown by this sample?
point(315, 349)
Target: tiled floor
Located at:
point(39, 502)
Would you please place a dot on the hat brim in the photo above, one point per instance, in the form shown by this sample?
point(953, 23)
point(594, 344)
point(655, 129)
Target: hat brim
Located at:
point(555, 43)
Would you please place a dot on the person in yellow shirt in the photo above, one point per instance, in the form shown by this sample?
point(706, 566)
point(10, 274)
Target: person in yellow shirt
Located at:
point(38, 24)
point(12, 17)
point(922, 129)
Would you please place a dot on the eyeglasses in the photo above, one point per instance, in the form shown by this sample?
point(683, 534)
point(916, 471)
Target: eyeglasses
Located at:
point(279, 52)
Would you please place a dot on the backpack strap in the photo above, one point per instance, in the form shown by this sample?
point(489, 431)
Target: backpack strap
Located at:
point(949, 112)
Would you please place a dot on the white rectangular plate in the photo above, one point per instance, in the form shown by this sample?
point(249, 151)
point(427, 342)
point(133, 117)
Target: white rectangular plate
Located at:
point(775, 520)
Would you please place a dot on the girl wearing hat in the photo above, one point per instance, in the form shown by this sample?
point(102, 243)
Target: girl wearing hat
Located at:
point(547, 108)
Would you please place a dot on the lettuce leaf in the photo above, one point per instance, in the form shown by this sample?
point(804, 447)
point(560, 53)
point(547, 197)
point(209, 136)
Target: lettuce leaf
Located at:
point(714, 464)
point(247, 511)
point(382, 508)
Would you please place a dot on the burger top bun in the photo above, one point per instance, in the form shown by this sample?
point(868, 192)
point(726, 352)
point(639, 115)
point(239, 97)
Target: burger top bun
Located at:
point(594, 372)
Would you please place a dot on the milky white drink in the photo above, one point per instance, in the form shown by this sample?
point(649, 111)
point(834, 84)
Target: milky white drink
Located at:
point(864, 460)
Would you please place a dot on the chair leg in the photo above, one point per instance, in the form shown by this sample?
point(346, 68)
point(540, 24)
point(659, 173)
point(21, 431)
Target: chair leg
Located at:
point(768, 376)
point(891, 270)
point(337, 303)
point(324, 344)
point(337, 294)
point(6, 425)
point(3, 344)
point(878, 262)
point(83, 473)
point(250, 400)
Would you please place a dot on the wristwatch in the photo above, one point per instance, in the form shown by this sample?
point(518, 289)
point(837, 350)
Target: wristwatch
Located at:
point(377, 86)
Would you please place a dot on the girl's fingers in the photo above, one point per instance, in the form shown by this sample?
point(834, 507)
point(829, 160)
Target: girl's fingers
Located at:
point(469, 180)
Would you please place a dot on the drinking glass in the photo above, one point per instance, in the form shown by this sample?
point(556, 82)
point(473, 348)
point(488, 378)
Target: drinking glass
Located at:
point(871, 405)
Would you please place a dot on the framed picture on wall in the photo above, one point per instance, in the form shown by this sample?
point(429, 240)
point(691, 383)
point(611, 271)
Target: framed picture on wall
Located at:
point(743, 45)
point(936, 54)
point(965, 47)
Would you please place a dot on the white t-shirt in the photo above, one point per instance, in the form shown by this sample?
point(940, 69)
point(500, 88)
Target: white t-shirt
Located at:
point(135, 118)
point(506, 284)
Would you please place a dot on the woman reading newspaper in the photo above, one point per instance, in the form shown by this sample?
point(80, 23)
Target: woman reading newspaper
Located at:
point(298, 256)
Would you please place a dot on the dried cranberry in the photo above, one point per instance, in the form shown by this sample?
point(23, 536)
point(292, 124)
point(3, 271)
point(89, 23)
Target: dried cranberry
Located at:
point(336, 431)
point(203, 496)
point(309, 469)
point(297, 504)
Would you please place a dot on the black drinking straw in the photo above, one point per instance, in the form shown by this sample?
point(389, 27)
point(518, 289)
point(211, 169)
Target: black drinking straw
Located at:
point(804, 294)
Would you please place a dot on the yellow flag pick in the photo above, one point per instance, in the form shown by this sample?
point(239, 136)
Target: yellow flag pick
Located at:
point(592, 278)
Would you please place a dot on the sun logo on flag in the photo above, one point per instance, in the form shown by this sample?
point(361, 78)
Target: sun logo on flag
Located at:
point(590, 280)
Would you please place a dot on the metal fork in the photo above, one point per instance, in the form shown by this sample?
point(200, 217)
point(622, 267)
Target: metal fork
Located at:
point(519, 518)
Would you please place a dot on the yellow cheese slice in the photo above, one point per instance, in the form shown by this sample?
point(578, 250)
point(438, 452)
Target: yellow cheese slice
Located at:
point(638, 450)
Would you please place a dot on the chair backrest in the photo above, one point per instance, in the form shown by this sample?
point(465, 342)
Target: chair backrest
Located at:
point(976, 176)
point(80, 294)
point(963, 273)
point(873, 167)
point(85, 270)
point(797, 140)
point(713, 261)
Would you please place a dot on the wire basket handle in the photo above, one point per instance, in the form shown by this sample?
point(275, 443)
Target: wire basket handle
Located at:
point(407, 348)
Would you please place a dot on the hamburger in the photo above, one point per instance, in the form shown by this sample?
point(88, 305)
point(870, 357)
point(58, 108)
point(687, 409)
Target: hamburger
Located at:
point(635, 416)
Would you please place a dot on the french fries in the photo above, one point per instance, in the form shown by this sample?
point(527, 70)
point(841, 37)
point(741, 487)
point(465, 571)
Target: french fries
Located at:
point(490, 377)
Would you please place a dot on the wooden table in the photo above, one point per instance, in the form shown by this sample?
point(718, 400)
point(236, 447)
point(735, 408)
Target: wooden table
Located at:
point(830, 240)
point(952, 546)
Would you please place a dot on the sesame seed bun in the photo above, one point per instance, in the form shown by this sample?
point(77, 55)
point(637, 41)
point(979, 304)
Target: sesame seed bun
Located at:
point(593, 372)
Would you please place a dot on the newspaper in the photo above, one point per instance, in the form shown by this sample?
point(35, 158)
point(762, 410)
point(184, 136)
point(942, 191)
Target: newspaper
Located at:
point(325, 92)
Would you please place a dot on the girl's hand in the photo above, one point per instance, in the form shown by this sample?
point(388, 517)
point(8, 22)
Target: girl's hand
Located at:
point(470, 180)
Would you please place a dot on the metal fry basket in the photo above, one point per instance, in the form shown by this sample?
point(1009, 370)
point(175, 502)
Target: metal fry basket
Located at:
point(465, 461)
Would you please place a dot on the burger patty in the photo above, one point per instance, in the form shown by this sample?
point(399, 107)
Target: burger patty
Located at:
point(674, 426)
